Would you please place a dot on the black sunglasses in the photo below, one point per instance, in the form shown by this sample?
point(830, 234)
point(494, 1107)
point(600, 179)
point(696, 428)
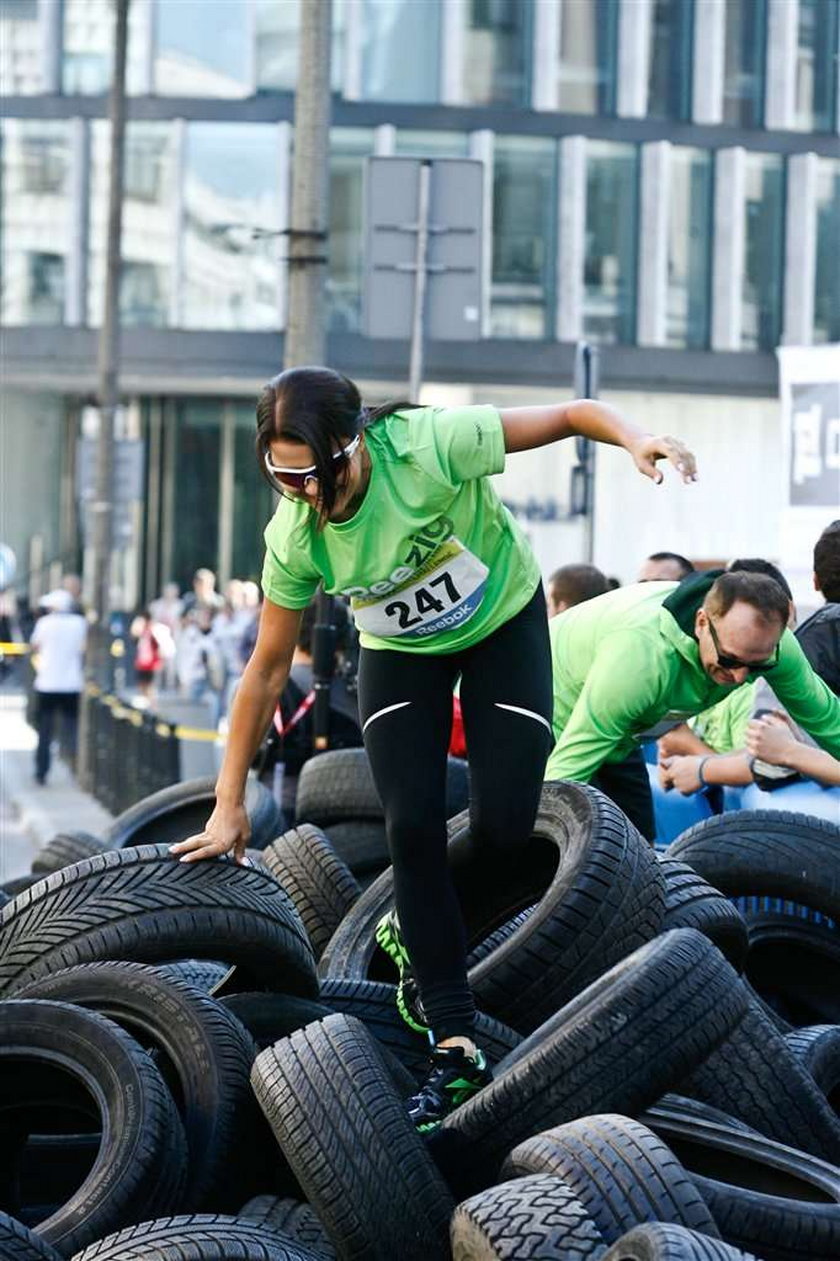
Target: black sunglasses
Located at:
point(734, 663)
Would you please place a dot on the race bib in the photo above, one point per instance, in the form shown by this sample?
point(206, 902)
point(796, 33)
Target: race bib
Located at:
point(444, 593)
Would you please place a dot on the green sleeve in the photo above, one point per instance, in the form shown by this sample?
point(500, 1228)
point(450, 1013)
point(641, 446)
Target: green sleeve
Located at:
point(458, 444)
point(809, 701)
point(290, 585)
point(622, 685)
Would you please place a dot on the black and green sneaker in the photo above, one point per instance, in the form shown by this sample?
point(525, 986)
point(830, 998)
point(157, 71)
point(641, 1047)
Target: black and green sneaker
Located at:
point(455, 1078)
point(389, 937)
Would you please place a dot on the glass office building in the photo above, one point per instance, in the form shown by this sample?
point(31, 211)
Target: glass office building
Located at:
point(642, 161)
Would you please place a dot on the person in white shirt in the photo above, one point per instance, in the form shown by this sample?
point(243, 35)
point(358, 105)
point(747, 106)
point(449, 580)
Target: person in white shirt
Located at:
point(58, 644)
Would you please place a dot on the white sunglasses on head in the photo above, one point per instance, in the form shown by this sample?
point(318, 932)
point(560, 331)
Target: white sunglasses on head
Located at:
point(296, 478)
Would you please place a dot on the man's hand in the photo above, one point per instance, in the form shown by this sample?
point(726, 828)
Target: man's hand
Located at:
point(680, 739)
point(648, 449)
point(227, 829)
point(682, 773)
point(771, 739)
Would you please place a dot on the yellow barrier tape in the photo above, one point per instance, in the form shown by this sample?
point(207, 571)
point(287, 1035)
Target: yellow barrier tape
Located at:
point(14, 650)
point(197, 733)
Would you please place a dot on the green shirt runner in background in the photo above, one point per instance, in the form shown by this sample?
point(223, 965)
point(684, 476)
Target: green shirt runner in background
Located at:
point(626, 660)
point(432, 560)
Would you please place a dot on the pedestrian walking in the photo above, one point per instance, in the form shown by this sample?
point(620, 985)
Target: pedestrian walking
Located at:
point(58, 645)
point(393, 507)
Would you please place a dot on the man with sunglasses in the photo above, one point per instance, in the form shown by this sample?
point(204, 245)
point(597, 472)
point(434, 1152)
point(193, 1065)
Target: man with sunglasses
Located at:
point(630, 664)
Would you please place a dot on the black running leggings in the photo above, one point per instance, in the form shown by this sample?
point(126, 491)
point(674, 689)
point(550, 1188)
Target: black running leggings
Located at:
point(405, 703)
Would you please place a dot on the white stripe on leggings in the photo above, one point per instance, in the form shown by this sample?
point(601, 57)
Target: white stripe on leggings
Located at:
point(389, 709)
point(529, 713)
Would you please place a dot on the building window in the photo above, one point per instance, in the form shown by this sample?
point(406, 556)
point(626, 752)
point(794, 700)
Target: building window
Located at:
point(232, 210)
point(148, 227)
point(827, 289)
point(252, 497)
point(496, 52)
point(764, 250)
point(201, 52)
point(389, 28)
point(587, 57)
point(195, 505)
point(35, 220)
point(689, 242)
point(612, 191)
point(349, 147)
point(88, 45)
point(431, 144)
point(524, 201)
point(816, 65)
point(669, 67)
point(20, 48)
point(743, 75)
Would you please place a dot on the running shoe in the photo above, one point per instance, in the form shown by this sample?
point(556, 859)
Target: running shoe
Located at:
point(389, 937)
point(455, 1077)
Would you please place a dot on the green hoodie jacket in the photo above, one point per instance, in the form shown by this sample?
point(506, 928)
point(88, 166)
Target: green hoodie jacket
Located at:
point(626, 660)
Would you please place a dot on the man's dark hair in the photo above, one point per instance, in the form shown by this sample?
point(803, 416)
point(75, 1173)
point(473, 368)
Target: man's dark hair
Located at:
point(757, 565)
point(573, 584)
point(683, 561)
point(763, 593)
point(827, 562)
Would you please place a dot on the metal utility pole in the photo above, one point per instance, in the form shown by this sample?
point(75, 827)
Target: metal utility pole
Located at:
point(103, 507)
point(306, 331)
point(418, 315)
point(586, 386)
point(306, 324)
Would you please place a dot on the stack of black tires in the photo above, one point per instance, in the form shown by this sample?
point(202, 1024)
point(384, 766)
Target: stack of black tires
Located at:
point(204, 1061)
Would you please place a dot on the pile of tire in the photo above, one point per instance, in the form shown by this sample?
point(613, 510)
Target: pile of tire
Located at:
point(204, 1061)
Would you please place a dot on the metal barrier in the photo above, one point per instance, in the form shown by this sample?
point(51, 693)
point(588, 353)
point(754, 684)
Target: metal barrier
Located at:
point(125, 753)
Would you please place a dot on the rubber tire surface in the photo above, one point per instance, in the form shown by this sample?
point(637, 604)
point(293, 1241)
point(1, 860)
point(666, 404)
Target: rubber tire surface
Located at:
point(794, 963)
point(766, 1198)
point(754, 1075)
point(690, 902)
point(339, 785)
point(661, 1242)
point(374, 1003)
point(379, 1196)
point(360, 843)
point(532, 1219)
point(201, 1237)
point(203, 974)
point(291, 1217)
point(18, 1243)
point(766, 852)
point(144, 905)
point(66, 848)
point(617, 1047)
point(620, 1171)
point(321, 886)
point(601, 895)
point(818, 1051)
point(270, 1017)
point(141, 1164)
point(200, 1048)
point(178, 811)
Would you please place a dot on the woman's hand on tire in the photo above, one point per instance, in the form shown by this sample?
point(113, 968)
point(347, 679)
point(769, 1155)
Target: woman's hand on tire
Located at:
point(227, 831)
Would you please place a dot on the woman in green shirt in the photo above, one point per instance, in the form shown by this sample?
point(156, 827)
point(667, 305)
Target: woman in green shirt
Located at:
point(393, 508)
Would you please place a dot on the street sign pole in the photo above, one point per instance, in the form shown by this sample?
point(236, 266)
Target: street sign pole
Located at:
point(418, 317)
point(586, 386)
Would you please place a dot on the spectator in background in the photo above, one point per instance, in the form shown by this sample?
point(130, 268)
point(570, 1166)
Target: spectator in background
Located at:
point(229, 626)
point(199, 666)
point(154, 646)
point(572, 584)
point(819, 636)
point(629, 660)
point(58, 643)
point(204, 594)
point(772, 739)
point(72, 584)
point(665, 567)
point(167, 610)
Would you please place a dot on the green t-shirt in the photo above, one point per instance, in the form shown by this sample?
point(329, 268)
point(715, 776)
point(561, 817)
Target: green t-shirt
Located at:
point(723, 727)
point(432, 560)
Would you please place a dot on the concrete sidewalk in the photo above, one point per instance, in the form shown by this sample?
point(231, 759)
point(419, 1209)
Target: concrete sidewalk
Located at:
point(30, 815)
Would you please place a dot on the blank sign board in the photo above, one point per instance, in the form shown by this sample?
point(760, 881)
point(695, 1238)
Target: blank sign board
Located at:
point(453, 295)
